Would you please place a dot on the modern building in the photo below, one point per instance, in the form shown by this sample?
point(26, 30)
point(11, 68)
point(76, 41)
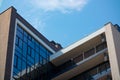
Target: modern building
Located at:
point(95, 57)
point(25, 54)
point(23, 49)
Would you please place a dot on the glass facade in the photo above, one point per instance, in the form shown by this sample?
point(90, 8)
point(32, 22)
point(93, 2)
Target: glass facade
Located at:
point(29, 57)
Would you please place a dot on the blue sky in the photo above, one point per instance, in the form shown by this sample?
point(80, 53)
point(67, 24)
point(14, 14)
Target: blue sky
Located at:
point(66, 21)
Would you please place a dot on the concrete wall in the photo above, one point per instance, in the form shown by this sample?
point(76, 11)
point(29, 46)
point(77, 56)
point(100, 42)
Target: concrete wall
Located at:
point(6, 26)
point(113, 42)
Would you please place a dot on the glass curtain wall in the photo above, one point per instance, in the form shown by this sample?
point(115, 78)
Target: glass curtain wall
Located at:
point(29, 57)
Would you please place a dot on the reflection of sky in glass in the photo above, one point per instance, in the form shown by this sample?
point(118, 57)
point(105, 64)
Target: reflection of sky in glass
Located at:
point(29, 53)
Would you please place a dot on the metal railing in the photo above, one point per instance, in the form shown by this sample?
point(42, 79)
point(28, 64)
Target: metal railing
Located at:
point(90, 52)
point(95, 73)
point(72, 63)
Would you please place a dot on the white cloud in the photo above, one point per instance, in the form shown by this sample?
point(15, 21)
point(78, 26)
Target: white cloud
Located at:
point(39, 25)
point(59, 5)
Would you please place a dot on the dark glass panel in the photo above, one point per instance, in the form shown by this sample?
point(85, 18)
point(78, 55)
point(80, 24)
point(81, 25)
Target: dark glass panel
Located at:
point(20, 43)
point(19, 64)
point(17, 53)
point(78, 58)
point(33, 53)
point(24, 49)
point(23, 65)
point(15, 60)
point(19, 34)
point(37, 48)
point(37, 58)
point(17, 40)
point(101, 47)
point(89, 53)
point(19, 29)
point(29, 51)
point(25, 39)
point(25, 34)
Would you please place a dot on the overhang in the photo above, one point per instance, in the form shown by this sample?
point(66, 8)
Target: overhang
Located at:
point(76, 48)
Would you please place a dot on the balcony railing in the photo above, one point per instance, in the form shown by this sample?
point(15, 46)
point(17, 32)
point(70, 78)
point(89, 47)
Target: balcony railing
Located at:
point(95, 73)
point(85, 55)
point(90, 52)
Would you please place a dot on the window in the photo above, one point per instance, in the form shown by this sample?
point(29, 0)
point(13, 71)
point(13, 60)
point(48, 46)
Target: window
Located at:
point(37, 58)
point(24, 49)
point(29, 53)
point(19, 29)
point(29, 50)
point(25, 39)
point(101, 46)
point(37, 48)
point(29, 37)
point(19, 66)
point(78, 58)
point(15, 61)
point(20, 43)
point(17, 40)
point(89, 53)
point(23, 65)
point(32, 53)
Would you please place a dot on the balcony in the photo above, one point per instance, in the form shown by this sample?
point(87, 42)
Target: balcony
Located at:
point(99, 72)
point(84, 57)
point(90, 52)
